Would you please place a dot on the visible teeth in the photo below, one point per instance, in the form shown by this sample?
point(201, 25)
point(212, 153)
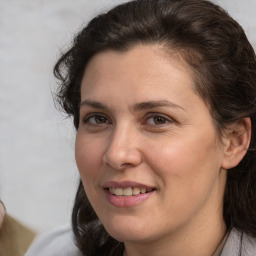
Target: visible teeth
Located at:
point(142, 190)
point(135, 191)
point(119, 192)
point(129, 191)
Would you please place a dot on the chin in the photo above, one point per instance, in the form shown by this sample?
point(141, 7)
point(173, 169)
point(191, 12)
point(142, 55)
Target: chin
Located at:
point(132, 237)
point(127, 233)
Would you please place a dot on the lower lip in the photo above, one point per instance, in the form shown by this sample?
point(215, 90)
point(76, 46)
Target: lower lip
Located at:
point(127, 201)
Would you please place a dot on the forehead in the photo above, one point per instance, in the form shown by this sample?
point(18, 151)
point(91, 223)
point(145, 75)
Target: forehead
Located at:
point(141, 62)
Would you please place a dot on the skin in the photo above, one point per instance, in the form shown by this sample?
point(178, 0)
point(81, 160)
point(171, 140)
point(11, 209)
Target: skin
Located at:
point(173, 148)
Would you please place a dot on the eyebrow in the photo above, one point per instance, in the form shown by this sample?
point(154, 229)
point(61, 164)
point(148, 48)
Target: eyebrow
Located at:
point(137, 107)
point(93, 104)
point(154, 104)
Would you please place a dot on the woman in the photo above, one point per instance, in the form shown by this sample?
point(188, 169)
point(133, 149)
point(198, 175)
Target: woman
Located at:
point(162, 94)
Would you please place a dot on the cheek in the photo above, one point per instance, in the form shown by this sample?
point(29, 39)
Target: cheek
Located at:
point(189, 175)
point(88, 154)
point(190, 163)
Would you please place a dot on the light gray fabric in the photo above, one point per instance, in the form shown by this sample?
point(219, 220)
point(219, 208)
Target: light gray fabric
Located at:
point(58, 242)
point(239, 244)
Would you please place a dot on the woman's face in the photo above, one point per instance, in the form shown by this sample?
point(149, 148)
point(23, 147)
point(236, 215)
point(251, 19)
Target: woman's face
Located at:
point(146, 147)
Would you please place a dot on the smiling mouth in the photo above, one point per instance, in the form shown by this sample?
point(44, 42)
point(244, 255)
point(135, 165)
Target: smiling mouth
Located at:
point(129, 191)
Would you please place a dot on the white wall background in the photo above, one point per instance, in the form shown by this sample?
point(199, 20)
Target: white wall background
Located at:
point(38, 176)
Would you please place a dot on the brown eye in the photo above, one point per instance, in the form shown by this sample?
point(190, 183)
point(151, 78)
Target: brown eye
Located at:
point(157, 120)
point(100, 120)
point(96, 119)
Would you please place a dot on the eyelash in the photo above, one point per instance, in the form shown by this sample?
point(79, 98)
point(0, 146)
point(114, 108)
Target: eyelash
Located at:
point(164, 118)
point(87, 118)
point(107, 120)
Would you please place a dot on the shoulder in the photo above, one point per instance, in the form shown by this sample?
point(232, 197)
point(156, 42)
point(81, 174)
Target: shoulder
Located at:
point(239, 243)
point(248, 245)
point(57, 242)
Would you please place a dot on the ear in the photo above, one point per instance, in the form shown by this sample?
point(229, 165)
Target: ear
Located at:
point(236, 142)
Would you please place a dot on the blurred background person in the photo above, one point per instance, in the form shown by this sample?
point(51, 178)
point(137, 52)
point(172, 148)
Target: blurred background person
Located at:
point(15, 238)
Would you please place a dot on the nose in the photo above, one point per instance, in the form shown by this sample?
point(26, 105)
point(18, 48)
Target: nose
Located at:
point(123, 149)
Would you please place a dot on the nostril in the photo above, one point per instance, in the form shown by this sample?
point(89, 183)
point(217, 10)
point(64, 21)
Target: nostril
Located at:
point(122, 159)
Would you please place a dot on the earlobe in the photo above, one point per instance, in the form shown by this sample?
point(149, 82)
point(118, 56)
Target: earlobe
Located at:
point(237, 141)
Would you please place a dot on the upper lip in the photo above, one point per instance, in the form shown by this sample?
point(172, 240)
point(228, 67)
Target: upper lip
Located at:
point(125, 184)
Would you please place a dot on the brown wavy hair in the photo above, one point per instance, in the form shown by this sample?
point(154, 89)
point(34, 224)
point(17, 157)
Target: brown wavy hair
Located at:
point(224, 66)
